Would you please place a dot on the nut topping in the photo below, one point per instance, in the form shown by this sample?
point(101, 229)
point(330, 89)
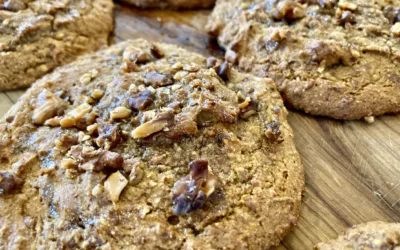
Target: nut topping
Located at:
point(9, 182)
point(223, 71)
point(73, 117)
point(191, 192)
point(288, 10)
point(47, 106)
point(114, 185)
point(158, 80)
point(120, 113)
point(272, 131)
point(155, 125)
point(142, 100)
point(109, 134)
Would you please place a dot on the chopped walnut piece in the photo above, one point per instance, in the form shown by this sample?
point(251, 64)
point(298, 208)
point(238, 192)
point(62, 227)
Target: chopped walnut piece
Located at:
point(9, 182)
point(114, 185)
point(212, 62)
point(137, 173)
point(219, 110)
point(249, 109)
point(65, 142)
point(109, 134)
point(97, 94)
point(26, 160)
point(346, 17)
point(155, 125)
point(223, 70)
point(91, 129)
point(272, 131)
point(135, 55)
point(192, 191)
point(369, 119)
point(141, 101)
point(288, 10)
point(396, 29)
point(47, 106)
point(156, 52)
point(245, 103)
point(346, 5)
point(96, 160)
point(85, 79)
point(53, 122)
point(392, 14)
point(68, 163)
point(73, 117)
point(120, 113)
point(329, 4)
point(158, 80)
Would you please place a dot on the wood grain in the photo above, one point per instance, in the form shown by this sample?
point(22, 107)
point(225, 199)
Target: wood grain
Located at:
point(352, 168)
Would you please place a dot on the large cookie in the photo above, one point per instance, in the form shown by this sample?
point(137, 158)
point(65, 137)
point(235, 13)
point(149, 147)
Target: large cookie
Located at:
point(332, 58)
point(36, 36)
point(371, 235)
point(145, 146)
point(171, 4)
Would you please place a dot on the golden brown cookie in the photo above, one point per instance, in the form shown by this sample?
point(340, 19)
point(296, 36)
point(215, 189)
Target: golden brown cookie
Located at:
point(336, 58)
point(372, 235)
point(148, 146)
point(171, 4)
point(37, 36)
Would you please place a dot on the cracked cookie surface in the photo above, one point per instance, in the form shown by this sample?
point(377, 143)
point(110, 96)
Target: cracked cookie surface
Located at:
point(148, 146)
point(171, 4)
point(37, 36)
point(336, 58)
point(372, 235)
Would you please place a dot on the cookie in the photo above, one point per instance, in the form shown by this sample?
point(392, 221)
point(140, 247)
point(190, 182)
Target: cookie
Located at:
point(331, 58)
point(148, 146)
point(37, 36)
point(171, 4)
point(372, 235)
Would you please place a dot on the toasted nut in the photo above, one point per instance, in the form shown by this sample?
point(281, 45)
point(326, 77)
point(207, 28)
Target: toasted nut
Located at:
point(94, 73)
point(47, 107)
point(92, 128)
point(369, 119)
point(345, 5)
point(120, 113)
point(396, 29)
point(155, 125)
point(85, 79)
point(67, 122)
point(68, 163)
point(114, 185)
point(53, 122)
point(98, 189)
point(73, 117)
point(136, 174)
point(244, 104)
point(97, 94)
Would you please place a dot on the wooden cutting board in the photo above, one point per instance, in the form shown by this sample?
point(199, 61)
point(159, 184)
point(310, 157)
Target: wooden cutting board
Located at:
point(352, 168)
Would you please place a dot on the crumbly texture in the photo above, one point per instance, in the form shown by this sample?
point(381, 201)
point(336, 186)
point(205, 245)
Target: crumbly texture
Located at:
point(101, 153)
point(36, 36)
point(336, 58)
point(372, 235)
point(171, 4)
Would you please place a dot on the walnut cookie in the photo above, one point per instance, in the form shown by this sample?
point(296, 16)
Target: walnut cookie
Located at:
point(148, 146)
point(335, 58)
point(171, 4)
point(36, 36)
point(372, 235)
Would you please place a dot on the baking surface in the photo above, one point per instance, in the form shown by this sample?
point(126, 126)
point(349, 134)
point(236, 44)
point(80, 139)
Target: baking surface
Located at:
point(352, 168)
